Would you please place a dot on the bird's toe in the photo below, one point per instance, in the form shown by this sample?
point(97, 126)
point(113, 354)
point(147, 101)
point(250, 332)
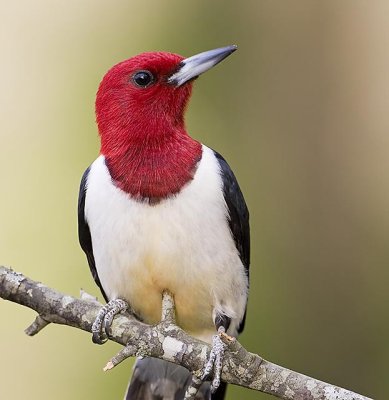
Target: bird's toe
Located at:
point(101, 328)
point(215, 361)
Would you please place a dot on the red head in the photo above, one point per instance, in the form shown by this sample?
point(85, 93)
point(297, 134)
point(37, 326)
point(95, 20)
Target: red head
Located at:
point(140, 109)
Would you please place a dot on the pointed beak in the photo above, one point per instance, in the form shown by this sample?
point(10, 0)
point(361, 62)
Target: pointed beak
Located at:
point(194, 66)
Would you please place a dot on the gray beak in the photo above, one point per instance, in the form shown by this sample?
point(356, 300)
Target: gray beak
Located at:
point(194, 66)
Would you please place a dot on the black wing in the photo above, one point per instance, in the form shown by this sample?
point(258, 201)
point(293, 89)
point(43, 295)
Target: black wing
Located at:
point(84, 235)
point(238, 216)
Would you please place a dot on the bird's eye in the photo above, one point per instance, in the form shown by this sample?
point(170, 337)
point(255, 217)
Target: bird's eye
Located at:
point(143, 78)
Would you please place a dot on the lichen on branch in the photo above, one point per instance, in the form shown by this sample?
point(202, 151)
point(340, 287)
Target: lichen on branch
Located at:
point(165, 340)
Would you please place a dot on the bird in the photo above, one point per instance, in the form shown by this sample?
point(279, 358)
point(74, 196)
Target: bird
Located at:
point(158, 210)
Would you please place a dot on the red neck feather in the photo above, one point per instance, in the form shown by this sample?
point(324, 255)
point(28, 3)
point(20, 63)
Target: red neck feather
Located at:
point(143, 138)
point(153, 167)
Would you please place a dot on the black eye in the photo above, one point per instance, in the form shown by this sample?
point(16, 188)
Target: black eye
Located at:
point(143, 78)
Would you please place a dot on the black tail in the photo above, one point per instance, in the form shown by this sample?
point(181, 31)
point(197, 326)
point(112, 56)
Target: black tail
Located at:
point(155, 379)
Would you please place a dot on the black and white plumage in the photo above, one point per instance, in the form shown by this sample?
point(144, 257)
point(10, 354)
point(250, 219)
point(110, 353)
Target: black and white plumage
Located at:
point(194, 243)
point(183, 244)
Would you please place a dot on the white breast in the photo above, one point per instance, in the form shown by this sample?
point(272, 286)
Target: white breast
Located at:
point(182, 244)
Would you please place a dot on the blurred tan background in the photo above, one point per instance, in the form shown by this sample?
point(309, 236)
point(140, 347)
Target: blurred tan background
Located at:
point(301, 114)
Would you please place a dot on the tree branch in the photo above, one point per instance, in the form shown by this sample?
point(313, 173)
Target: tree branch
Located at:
point(166, 341)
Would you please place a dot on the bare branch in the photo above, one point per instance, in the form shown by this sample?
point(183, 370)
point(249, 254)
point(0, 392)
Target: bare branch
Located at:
point(36, 326)
point(166, 341)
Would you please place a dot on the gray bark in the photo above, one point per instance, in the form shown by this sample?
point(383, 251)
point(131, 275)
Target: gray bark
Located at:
point(166, 341)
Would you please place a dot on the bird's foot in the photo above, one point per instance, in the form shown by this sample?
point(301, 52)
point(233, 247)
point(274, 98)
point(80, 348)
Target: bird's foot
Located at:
point(215, 361)
point(101, 328)
point(168, 317)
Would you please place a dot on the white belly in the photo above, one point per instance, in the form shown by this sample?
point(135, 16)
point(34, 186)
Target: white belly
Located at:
point(182, 244)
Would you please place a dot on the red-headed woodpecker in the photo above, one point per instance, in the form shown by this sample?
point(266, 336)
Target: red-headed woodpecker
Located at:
point(160, 211)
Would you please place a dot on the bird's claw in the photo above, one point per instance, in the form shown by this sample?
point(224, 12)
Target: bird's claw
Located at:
point(104, 319)
point(215, 361)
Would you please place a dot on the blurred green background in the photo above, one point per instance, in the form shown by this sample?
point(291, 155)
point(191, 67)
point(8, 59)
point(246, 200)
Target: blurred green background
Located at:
point(301, 114)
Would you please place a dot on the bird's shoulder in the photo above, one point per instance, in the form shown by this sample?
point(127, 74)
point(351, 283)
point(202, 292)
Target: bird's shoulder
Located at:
point(84, 234)
point(238, 213)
